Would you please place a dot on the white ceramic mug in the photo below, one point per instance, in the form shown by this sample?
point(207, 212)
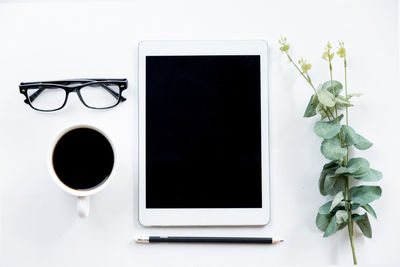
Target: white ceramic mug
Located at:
point(82, 194)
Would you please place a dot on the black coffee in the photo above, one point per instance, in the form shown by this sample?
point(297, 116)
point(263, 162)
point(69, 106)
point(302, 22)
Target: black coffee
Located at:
point(83, 158)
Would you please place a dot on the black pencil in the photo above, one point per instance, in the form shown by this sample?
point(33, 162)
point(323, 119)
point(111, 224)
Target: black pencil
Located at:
point(204, 239)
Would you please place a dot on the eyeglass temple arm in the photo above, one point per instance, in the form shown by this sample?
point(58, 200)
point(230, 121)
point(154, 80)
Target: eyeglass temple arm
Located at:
point(38, 92)
point(111, 91)
point(34, 96)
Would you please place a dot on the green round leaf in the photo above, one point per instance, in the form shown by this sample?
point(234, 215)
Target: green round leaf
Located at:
point(362, 143)
point(336, 200)
point(332, 149)
point(328, 168)
point(364, 224)
point(369, 209)
point(349, 135)
point(365, 194)
point(327, 129)
point(311, 107)
point(331, 165)
point(335, 89)
point(366, 207)
point(326, 98)
point(352, 138)
point(342, 170)
point(356, 217)
point(321, 183)
point(331, 228)
point(322, 221)
point(325, 209)
point(333, 184)
point(369, 176)
point(356, 166)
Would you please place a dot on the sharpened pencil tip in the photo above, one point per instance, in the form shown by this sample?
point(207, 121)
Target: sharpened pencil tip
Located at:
point(281, 241)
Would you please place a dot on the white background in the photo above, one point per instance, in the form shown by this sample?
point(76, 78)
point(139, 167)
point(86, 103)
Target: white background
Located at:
point(42, 40)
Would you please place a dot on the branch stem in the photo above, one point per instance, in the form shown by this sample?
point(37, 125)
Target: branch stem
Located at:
point(349, 221)
point(345, 89)
point(348, 199)
point(330, 73)
point(302, 74)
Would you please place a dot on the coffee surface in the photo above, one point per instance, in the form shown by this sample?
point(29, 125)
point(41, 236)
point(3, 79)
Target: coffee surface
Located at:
point(83, 158)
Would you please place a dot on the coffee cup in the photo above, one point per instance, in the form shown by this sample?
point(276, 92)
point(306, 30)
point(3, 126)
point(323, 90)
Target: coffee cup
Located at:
point(81, 162)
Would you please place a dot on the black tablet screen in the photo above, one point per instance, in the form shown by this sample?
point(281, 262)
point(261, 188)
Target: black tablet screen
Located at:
point(203, 132)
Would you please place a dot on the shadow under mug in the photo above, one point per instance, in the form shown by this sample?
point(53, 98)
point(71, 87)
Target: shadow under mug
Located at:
point(82, 162)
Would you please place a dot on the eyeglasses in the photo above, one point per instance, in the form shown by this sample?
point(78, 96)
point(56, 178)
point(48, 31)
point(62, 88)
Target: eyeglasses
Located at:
point(93, 93)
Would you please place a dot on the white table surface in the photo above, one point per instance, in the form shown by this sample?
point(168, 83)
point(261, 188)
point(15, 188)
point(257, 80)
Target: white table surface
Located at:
point(42, 40)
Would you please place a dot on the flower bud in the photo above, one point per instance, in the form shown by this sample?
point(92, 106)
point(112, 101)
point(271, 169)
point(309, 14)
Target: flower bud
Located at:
point(284, 48)
point(306, 67)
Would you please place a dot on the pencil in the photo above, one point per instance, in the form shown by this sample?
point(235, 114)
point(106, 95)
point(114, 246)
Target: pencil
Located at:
point(204, 239)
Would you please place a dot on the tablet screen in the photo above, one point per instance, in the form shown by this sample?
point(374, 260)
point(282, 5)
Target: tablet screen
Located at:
point(203, 132)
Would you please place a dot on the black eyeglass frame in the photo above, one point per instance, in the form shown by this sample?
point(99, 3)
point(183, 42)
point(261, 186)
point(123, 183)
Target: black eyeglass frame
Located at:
point(66, 85)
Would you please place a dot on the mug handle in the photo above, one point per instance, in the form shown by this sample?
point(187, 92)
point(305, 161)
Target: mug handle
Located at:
point(83, 207)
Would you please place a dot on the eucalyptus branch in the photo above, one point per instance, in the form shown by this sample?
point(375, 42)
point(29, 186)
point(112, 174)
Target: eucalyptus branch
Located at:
point(335, 177)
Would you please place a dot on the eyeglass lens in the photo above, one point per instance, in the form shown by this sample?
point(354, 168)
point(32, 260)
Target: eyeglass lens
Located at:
point(100, 95)
point(46, 98)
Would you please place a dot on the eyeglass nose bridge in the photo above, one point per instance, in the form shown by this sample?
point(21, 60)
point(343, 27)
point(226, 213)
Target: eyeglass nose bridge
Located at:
point(67, 92)
point(77, 90)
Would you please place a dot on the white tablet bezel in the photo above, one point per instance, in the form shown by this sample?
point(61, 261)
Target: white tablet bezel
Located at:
point(212, 216)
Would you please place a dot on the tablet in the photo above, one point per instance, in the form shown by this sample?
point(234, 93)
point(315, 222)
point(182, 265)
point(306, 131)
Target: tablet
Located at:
point(203, 133)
